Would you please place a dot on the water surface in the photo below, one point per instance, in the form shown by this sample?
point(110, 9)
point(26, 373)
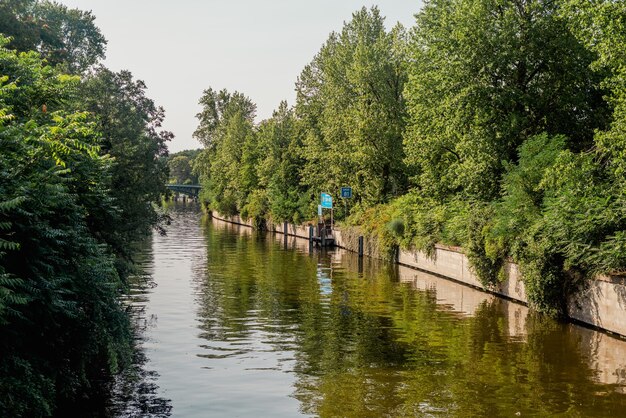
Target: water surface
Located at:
point(246, 325)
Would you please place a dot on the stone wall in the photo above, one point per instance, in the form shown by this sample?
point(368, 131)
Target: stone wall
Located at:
point(301, 231)
point(348, 238)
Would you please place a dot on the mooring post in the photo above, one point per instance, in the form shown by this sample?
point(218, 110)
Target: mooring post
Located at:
point(361, 246)
point(285, 230)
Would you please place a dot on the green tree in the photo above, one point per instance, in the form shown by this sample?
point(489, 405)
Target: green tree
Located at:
point(485, 76)
point(63, 328)
point(231, 171)
point(16, 21)
point(129, 123)
point(63, 36)
point(350, 99)
point(181, 166)
point(217, 109)
point(227, 164)
point(601, 26)
point(180, 169)
point(582, 228)
point(280, 144)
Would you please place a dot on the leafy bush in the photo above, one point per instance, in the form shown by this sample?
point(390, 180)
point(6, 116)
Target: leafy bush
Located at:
point(68, 216)
point(256, 208)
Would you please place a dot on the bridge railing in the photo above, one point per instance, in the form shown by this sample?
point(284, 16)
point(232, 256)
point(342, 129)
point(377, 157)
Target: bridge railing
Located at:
point(188, 189)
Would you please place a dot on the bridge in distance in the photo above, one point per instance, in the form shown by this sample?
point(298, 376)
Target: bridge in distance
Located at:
point(189, 189)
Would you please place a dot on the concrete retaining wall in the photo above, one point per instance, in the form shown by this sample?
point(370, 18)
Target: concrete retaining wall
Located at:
point(301, 231)
point(602, 304)
point(236, 219)
point(452, 263)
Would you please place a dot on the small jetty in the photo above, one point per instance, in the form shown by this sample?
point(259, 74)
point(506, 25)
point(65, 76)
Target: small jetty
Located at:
point(322, 236)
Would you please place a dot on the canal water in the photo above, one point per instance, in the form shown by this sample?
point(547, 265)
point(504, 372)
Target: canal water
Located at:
point(232, 323)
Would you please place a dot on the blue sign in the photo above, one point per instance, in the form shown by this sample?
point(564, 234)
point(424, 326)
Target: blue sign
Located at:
point(319, 210)
point(327, 201)
point(346, 192)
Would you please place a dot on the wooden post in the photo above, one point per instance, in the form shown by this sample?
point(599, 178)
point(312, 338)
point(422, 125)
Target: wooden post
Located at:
point(361, 246)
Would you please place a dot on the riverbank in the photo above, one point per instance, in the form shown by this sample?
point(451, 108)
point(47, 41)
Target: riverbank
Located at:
point(601, 305)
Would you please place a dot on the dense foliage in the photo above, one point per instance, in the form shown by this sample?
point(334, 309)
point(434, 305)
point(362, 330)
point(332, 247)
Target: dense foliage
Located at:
point(352, 107)
point(80, 162)
point(180, 166)
point(66, 38)
point(345, 130)
point(495, 125)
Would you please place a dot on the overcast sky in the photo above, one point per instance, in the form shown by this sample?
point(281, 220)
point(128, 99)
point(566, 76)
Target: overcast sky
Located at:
point(179, 48)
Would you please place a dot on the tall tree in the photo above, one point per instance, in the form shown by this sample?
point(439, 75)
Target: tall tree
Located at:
point(485, 76)
point(180, 170)
point(280, 145)
point(61, 322)
point(350, 99)
point(63, 36)
point(601, 26)
point(227, 164)
point(130, 125)
point(217, 109)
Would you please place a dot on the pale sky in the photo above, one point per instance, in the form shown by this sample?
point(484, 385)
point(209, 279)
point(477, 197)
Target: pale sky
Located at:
point(179, 48)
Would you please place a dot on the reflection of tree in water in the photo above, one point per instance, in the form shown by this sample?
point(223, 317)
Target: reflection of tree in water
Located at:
point(134, 392)
point(251, 284)
point(349, 357)
point(399, 353)
point(372, 347)
point(472, 367)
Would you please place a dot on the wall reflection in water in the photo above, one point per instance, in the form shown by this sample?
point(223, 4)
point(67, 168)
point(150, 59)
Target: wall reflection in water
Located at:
point(365, 338)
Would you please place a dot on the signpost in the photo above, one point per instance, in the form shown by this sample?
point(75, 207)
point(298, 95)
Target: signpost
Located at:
point(346, 193)
point(326, 202)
